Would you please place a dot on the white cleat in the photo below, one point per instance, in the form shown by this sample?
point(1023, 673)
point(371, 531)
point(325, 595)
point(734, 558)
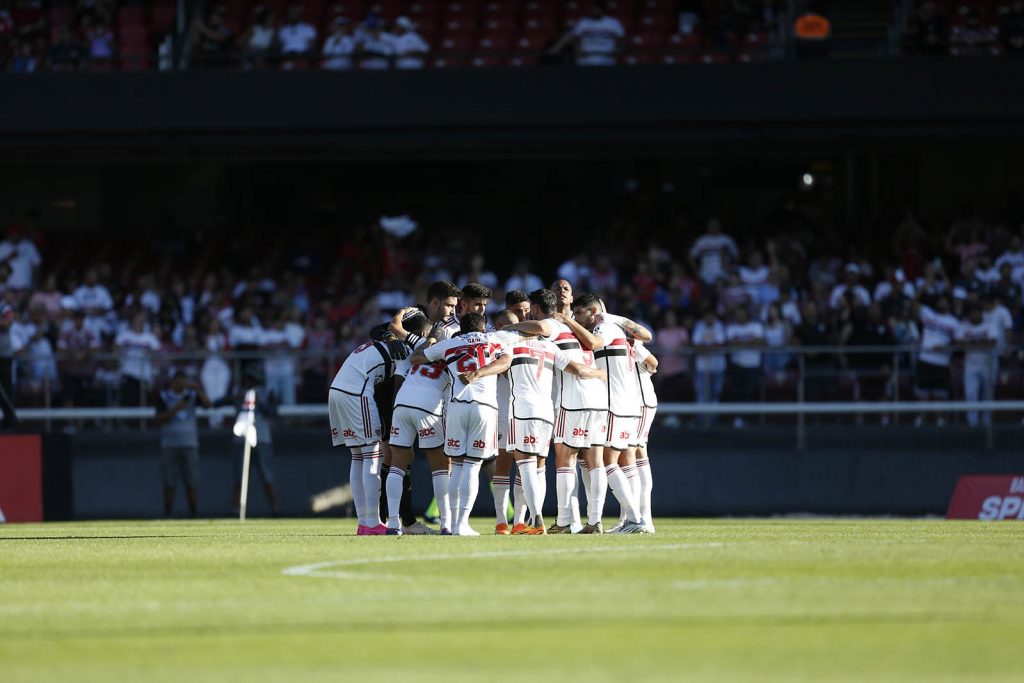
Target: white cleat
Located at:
point(419, 529)
point(633, 528)
point(617, 529)
point(466, 530)
point(649, 526)
point(576, 527)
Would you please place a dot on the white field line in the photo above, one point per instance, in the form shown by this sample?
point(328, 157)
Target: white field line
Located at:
point(329, 570)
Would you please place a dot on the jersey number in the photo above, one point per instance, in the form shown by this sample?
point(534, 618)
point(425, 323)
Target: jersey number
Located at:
point(432, 371)
point(470, 358)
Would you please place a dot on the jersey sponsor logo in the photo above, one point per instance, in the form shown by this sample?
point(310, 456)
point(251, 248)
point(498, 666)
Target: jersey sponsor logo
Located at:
point(427, 431)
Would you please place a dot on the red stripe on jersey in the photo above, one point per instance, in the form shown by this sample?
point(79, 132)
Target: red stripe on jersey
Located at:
point(533, 353)
point(619, 342)
point(564, 336)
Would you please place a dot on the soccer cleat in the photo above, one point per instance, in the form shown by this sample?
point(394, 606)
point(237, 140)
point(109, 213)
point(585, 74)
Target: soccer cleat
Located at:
point(361, 530)
point(393, 532)
point(536, 531)
point(446, 532)
point(378, 530)
point(617, 529)
point(649, 526)
point(555, 529)
point(419, 529)
point(633, 528)
point(592, 529)
point(466, 530)
point(501, 530)
point(520, 529)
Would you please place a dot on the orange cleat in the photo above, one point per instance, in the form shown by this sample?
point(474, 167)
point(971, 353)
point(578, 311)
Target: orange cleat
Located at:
point(501, 530)
point(521, 529)
point(536, 531)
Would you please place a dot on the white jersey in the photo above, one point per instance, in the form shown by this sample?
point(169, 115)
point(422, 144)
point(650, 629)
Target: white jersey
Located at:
point(423, 387)
point(571, 392)
point(969, 333)
point(463, 353)
point(939, 329)
point(619, 361)
point(597, 41)
point(647, 395)
point(364, 369)
point(531, 376)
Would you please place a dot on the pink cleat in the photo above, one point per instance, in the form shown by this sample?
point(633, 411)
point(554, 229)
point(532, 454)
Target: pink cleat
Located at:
point(379, 530)
point(361, 530)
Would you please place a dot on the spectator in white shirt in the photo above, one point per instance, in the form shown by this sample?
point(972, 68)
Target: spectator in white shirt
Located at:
point(374, 47)
point(409, 46)
point(246, 333)
point(339, 46)
point(745, 364)
point(597, 39)
point(280, 366)
point(712, 253)
point(979, 337)
point(136, 345)
point(709, 366)
point(1014, 254)
point(296, 38)
point(938, 329)
point(22, 257)
point(522, 279)
point(850, 287)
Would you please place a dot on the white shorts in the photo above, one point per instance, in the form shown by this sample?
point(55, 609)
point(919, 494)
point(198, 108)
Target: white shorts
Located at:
point(580, 428)
point(354, 419)
point(410, 424)
point(502, 427)
point(622, 432)
point(529, 436)
point(470, 429)
point(646, 420)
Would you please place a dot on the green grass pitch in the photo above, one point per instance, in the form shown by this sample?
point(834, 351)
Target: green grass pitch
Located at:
point(305, 600)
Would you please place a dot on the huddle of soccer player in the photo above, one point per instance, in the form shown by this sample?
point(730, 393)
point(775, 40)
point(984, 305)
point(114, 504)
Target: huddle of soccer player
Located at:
point(551, 371)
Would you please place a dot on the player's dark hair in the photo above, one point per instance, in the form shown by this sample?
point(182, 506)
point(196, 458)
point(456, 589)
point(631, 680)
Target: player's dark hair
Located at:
point(475, 290)
point(442, 289)
point(416, 322)
point(514, 297)
point(472, 322)
point(586, 300)
point(544, 298)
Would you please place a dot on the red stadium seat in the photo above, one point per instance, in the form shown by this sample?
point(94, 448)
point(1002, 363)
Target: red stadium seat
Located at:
point(455, 44)
point(684, 42)
point(540, 8)
point(133, 37)
point(62, 16)
point(648, 40)
point(648, 6)
point(164, 17)
point(531, 43)
point(544, 24)
point(418, 11)
point(677, 58)
point(495, 42)
point(486, 60)
point(501, 8)
point(135, 60)
point(350, 9)
point(656, 22)
point(616, 6)
point(448, 62)
point(526, 59)
point(464, 9)
point(641, 58)
point(716, 58)
point(498, 24)
point(459, 26)
point(386, 9)
point(131, 15)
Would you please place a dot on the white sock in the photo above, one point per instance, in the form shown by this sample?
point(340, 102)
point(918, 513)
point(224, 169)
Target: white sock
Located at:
point(500, 484)
point(519, 501)
point(441, 483)
point(596, 495)
point(619, 485)
point(371, 484)
point(643, 470)
point(564, 479)
point(528, 475)
point(393, 488)
point(542, 488)
point(468, 489)
point(634, 488)
point(453, 491)
point(574, 499)
point(355, 480)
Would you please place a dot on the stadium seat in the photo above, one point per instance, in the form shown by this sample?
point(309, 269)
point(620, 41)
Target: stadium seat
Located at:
point(656, 22)
point(133, 37)
point(527, 43)
point(448, 61)
point(684, 42)
point(494, 43)
point(420, 11)
point(540, 8)
point(163, 18)
point(647, 41)
point(135, 60)
point(501, 8)
point(525, 59)
point(455, 44)
point(386, 9)
point(640, 58)
point(716, 58)
point(487, 60)
point(350, 9)
point(62, 16)
point(131, 15)
point(499, 24)
point(663, 6)
point(466, 10)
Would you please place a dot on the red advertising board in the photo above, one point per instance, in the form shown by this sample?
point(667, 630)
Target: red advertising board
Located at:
point(21, 478)
point(988, 497)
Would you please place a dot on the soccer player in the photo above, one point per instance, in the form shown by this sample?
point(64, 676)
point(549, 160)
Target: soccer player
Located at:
point(580, 404)
point(472, 359)
point(531, 377)
point(442, 302)
point(473, 298)
point(518, 304)
point(418, 415)
point(562, 290)
point(500, 480)
point(356, 423)
point(646, 366)
point(606, 336)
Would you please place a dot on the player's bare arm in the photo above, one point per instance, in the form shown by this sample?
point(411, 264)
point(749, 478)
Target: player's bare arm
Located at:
point(588, 339)
point(419, 358)
point(586, 372)
point(652, 363)
point(531, 328)
point(632, 329)
point(496, 367)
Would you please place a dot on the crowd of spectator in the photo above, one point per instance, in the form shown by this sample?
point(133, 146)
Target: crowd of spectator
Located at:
point(967, 28)
point(729, 311)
